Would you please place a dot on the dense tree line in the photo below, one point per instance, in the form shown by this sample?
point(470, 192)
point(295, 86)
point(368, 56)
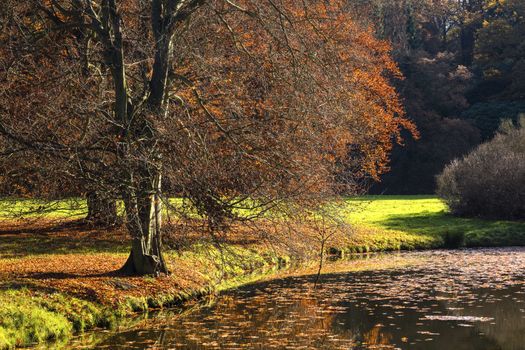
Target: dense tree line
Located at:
point(464, 67)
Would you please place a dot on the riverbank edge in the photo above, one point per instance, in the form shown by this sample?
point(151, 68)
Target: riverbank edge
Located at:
point(39, 317)
point(35, 317)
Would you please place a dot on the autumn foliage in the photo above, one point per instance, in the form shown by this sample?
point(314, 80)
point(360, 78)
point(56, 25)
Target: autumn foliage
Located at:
point(250, 105)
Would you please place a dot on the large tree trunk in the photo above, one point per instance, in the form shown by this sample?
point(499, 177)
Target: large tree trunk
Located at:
point(102, 211)
point(141, 189)
point(144, 219)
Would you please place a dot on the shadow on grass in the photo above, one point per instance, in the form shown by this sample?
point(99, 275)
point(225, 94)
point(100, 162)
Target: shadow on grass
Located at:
point(24, 245)
point(36, 286)
point(44, 229)
point(64, 238)
point(75, 237)
point(428, 223)
point(19, 285)
point(477, 232)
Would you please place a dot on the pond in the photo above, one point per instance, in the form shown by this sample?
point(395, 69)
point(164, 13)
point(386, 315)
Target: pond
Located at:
point(465, 299)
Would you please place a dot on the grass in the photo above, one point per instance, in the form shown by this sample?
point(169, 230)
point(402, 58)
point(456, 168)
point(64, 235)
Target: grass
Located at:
point(424, 222)
point(382, 223)
point(24, 321)
point(68, 291)
point(32, 317)
point(34, 208)
point(59, 280)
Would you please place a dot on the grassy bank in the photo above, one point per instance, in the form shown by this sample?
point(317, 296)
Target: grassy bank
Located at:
point(59, 280)
point(54, 284)
point(31, 317)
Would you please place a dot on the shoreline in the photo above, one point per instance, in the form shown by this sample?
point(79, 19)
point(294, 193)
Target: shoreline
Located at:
point(57, 283)
point(71, 317)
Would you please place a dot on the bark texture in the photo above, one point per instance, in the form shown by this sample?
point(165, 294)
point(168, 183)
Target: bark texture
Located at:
point(144, 220)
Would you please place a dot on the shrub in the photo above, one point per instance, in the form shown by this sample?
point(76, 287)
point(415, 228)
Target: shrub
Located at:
point(453, 240)
point(490, 181)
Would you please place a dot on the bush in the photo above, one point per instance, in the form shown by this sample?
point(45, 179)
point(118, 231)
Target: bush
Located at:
point(490, 181)
point(453, 240)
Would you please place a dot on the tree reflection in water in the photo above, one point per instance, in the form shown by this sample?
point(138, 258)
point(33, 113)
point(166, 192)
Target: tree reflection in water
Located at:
point(385, 309)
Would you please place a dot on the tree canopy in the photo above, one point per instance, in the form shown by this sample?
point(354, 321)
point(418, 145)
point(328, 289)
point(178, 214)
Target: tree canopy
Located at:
point(231, 106)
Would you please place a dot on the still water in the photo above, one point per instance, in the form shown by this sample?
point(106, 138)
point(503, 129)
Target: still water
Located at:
point(468, 299)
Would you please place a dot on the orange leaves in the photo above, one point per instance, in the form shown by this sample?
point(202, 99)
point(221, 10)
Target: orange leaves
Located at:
point(264, 97)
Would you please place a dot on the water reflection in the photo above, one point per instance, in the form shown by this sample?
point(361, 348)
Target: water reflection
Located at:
point(472, 299)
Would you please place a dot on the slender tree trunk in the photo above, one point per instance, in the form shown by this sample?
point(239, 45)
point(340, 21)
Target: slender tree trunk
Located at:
point(467, 42)
point(144, 220)
point(102, 211)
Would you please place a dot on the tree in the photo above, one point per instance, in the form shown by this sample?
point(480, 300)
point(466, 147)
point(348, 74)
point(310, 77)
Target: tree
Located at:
point(434, 92)
point(488, 116)
point(500, 51)
point(234, 105)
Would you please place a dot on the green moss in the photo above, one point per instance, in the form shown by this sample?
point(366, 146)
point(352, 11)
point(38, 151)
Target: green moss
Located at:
point(23, 321)
point(82, 314)
point(5, 341)
point(136, 304)
point(28, 317)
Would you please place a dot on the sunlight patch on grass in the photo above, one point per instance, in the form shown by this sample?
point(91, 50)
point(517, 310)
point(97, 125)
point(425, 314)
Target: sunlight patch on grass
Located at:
point(34, 208)
point(427, 218)
point(24, 321)
point(27, 317)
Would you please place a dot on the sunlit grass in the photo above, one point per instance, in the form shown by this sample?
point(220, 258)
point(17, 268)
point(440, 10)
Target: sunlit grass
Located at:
point(29, 317)
point(24, 321)
point(33, 208)
point(427, 217)
point(381, 222)
point(76, 208)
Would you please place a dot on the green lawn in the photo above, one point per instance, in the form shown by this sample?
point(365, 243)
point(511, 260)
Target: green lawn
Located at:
point(34, 208)
point(426, 219)
point(381, 222)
